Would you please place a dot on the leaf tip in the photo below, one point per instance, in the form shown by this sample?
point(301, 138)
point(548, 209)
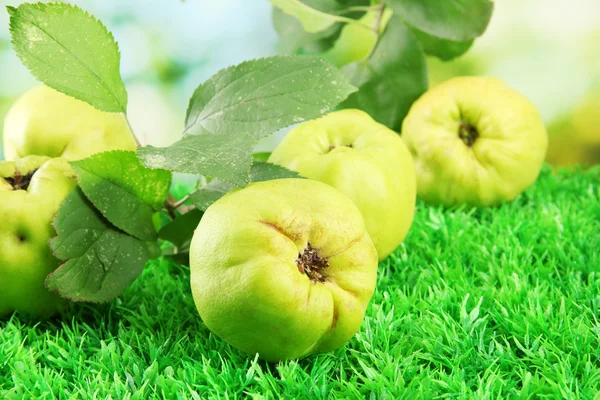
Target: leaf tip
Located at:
point(49, 282)
point(52, 243)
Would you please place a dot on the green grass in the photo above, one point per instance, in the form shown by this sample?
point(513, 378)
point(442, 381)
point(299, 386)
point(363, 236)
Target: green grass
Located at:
point(485, 303)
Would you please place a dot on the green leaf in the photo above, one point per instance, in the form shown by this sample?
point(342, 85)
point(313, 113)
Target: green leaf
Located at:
point(100, 261)
point(393, 77)
point(294, 39)
point(70, 51)
point(262, 96)
point(227, 157)
point(264, 171)
point(261, 156)
point(180, 258)
point(312, 19)
point(215, 189)
point(243, 103)
point(455, 20)
point(443, 49)
point(180, 230)
point(124, 191)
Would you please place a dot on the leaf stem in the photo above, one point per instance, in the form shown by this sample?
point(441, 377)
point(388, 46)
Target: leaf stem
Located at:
point(376, 28)
point(169, 206)
point(178, 203)
point(359, 23)
point(124, 116)
point(377, 25)
point(358, 9)
point(185, 198)
point(172, 204)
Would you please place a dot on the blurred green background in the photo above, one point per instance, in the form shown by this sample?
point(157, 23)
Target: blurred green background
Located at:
point(547, 49)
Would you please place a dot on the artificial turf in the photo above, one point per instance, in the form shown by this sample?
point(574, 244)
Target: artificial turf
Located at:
point(482, 303)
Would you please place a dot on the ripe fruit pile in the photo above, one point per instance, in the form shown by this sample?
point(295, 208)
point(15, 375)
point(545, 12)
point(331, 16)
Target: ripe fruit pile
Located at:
point(283, 268)
point(287, 267)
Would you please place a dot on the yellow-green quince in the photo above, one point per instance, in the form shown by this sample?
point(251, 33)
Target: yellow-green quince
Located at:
point(31, 191)
point(475, 141)
point(283, 268)
point(46, 122)
point(366, 161)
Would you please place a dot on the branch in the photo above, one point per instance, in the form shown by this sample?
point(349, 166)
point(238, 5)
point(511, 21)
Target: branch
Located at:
point(377, 25)
point(376, 28)
point(185, 198)
point(124, 116)
point(358, 9)
point(172, 204)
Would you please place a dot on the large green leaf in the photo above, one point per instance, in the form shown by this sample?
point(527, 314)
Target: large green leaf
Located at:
point(392, 79)
point(243, 103)
point(70, 51)
point(261, 96)
point(227, 157)
point(455, 20)
point(100, 261)
point(124, 191)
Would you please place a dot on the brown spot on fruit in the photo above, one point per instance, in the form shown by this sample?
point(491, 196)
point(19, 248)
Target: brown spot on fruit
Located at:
point(333, 147)
point(334, 320)
point(467, 133)
point(278, 229)
point(310, 263)
point(20, 182)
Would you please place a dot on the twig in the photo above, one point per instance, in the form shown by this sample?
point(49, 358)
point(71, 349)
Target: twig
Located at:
point(376, 28)
point(377, 24)
point(124, 116)
point(169, 202)
point(358, 9)
point(172, 204)
point(182, 200)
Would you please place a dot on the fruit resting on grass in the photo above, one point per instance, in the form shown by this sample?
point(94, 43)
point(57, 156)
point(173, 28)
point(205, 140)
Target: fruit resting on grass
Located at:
point(283, 268)
point(48, 123)
point(366, 161)
point(475, 141)
point(31, 191)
